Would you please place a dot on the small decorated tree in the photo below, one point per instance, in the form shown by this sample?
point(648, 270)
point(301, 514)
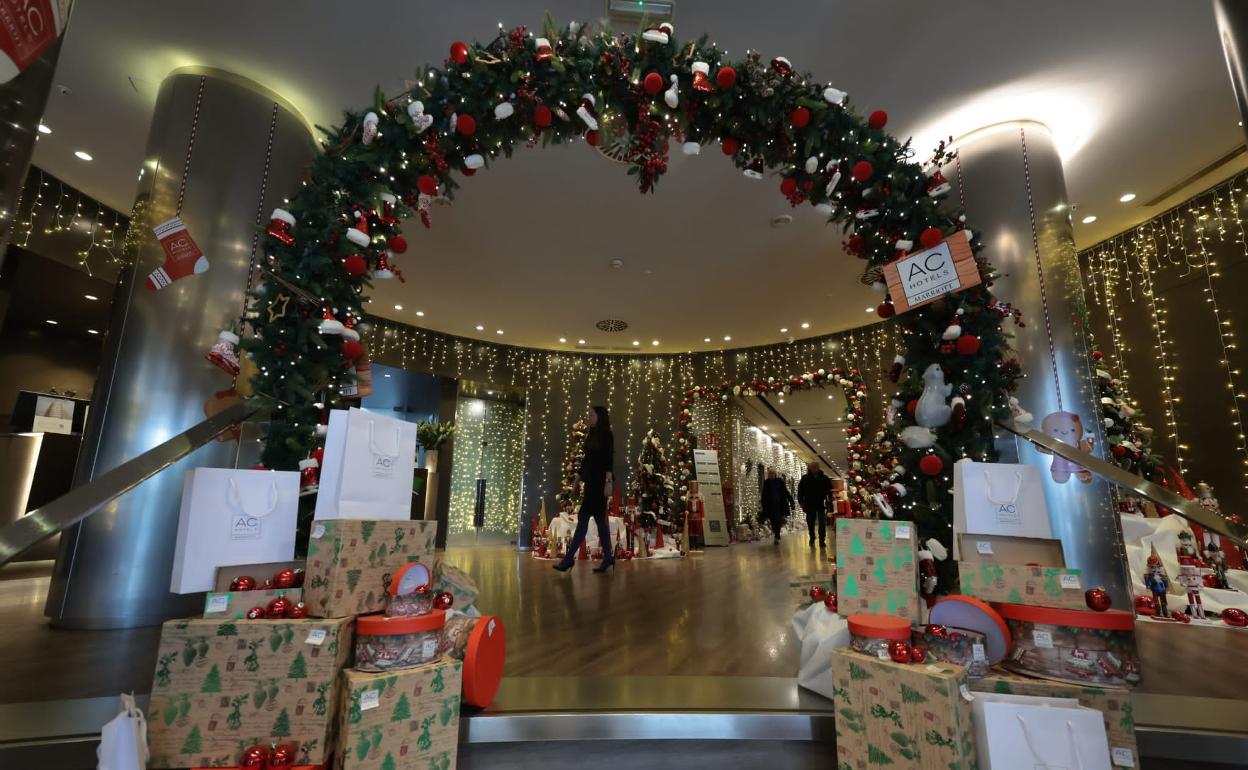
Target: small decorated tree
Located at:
point(569, 497)
point(652, 486)
point(1129, 439)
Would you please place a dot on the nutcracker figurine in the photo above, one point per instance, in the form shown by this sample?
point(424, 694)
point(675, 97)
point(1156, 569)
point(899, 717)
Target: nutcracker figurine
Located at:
point(1189, 574)
point(1158, 582)
point(1217, 560)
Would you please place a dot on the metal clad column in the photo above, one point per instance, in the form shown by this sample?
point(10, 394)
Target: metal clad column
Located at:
point(248, 149)
point(1232, 19)
point(1015, 193)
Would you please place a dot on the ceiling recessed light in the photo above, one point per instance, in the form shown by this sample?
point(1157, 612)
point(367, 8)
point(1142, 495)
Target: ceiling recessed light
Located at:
point(420, 314)
point(806, 325)
point(580, 342)
point(727, 338)
point(654, 342)
point(398, 307)
point(870, 310)
point(480, 328)
point(1089, 219)
point(1127, 198)
point(636, 342)
point(563, 339)
point(386, 376)
point(498, 331)
point(44, 129)
point(784, 330)
point(93, 331)
point(706, 339)
point(799, 422)
point(91, 297)
point(80, 155)
point(54, 323)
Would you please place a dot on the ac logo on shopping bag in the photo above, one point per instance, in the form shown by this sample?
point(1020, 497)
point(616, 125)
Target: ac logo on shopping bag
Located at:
point(244, 527)
point(1007, 513)
point(383, 466)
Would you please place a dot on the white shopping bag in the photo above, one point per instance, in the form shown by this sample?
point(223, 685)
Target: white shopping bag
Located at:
point(998, 499)
point(123, 741)
point(232, 517)
point(370, 461)
point(820, 631)
point(1023, 732)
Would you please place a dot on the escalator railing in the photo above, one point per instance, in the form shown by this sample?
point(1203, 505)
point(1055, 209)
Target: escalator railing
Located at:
point(1188, 509)
point(79, 503)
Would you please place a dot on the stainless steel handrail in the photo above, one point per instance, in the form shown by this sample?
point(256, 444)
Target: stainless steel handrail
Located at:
point(1188, 509)
point(79, 503)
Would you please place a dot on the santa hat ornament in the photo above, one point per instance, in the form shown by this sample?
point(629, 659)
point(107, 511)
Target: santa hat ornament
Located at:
point(903, 244)
point(661, 34)
point(388, 203)
point(280, 222)
point(503, 110)
point(894, 372)
point(329, 324)
point(368, 129)
point(358, 233)
point(671, 97)
point(223, 354)
point(834, 96)
point(755, 169)
point(702, 77)
point(782, 66)
point(420, 121)
point(384, 269)
point(587, 112)
point(937, 185)
point(543, 49)
point(348, 330)
point(927, 572)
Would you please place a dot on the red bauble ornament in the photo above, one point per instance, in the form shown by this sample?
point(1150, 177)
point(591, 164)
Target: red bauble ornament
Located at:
point(886, 310)
point(817, 593)
point(427, 185)
point(799, 118)
point(254, 757)
point(937, 630)
point(829, 601)
point(443, 601)
point(351, 350)
point(877, 119)
point(591, 138)
point(243, 583)
point(726, 78)
point(730, 146)
point(1098, 599)
point(255, 613)
point(931, 465)
point(466, 125)
point(910, 407)
point(917, 655)
point(281, 757)
point(542, 116)
point(459, 52)
point(1234, 616)
point(899, 651)
point(788, 186)
point(397, 244)
point(277, 608)
point(285, 578)
point(1119, 450)
point(652, 83)
point(930, 238)
point(1145, 606)
point(354, 265)
point(862, 170)
point(1180, 616)
point(857, 245)
point(1097, 355)
point(297, 610)
point(968, 344)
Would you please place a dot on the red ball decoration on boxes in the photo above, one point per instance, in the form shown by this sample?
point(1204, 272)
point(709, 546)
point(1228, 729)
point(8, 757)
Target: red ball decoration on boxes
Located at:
point(284, 578)
point(281, 757)
point(243, 583)
point(1234, 616)
point(817, 593)
point(466, 125)
point(899, 651)
point(443, 601)
point(788, 186)
point(800, 117)
point(937, 630)
point(427, 185)
point(459, 52)
point(652, 83)
point(968, 344)
point(1098, 599)
point(278, 607)
point(542, 116)
point(1145, 606)
point(255, 613)
point(829, 601)
point(730, 146)
point(917, 655)
point(297, 610)
point(931, 465)
point(877, 119)
point(254, 757)
point(726, 78)
point(862, 170)
point(931, 237)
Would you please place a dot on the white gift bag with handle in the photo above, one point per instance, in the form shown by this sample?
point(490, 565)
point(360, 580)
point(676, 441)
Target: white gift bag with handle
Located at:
point(1024, 731)
point(819, 630)
point(370, 461)
point(231, 516)
point(998, 499)
point(123, 741)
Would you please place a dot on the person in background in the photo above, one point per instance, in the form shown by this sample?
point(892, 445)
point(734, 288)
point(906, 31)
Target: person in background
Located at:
point(812, 495)
point(777, 503)
point(598, 478)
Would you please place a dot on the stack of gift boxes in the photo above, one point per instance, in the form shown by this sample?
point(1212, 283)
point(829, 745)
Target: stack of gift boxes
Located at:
point(904, 689)
point(269, 676)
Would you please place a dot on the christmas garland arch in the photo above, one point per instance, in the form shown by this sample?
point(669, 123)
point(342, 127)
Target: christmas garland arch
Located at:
point(630, 94)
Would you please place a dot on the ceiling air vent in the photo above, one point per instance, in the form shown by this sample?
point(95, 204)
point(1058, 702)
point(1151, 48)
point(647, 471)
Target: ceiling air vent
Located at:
point(612, 325)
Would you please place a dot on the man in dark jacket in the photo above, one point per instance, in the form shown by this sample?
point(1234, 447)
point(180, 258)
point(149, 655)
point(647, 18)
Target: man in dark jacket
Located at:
point(812, 495)
point(776, 502)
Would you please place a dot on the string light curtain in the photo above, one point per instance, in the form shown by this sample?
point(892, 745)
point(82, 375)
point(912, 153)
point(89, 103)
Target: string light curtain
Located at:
point(489, 444)
point(1165, 296)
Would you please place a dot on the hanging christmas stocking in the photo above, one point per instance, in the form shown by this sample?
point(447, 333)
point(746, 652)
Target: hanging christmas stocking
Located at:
point(182, 256)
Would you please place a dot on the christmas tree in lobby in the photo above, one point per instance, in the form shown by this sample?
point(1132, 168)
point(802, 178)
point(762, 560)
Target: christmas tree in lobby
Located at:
point(1128, 438)
point(652, 487)
point(569, 496)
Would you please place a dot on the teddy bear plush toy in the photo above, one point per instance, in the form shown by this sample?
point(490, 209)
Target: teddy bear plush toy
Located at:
point(1067, 427)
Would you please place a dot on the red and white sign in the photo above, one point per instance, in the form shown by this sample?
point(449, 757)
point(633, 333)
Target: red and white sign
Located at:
point(27, 28)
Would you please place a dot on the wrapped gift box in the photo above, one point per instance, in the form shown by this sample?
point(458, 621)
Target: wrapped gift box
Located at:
point(398, 719)
point(223, 685)
point(1113, 702)
point(350, 562)
point(224, 605)
point(452, 579)
point(1060, 587)
point(905, 716)
point(875, 568)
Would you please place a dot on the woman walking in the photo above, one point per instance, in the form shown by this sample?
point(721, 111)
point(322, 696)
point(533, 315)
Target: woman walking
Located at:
point(597, 480)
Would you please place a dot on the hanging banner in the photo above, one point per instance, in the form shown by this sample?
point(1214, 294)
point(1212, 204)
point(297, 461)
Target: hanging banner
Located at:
point(714, 524)
point(921, 278)
point(27, 28)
